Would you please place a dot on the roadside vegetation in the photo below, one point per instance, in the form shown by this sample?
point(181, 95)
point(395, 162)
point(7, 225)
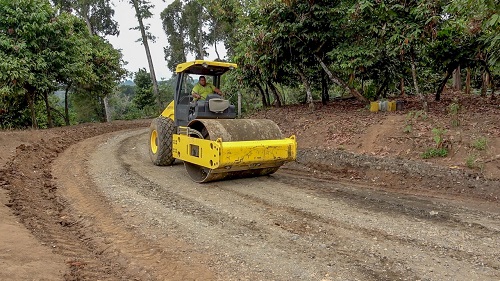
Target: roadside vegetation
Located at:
point(56, 69)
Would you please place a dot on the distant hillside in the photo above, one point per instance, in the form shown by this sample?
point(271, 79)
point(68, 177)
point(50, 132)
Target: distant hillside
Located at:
point(128, 83)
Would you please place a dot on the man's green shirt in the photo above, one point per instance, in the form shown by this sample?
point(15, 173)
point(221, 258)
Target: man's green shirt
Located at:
point(203, 91)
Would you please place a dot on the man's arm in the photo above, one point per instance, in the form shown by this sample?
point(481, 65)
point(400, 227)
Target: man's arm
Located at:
point(218, 91)
point(194, 92)
point(195, 95)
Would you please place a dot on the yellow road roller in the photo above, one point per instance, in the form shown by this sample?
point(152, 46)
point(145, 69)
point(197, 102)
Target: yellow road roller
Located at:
point(205, 134)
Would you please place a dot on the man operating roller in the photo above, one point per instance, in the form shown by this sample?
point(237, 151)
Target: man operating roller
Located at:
point(203, 88)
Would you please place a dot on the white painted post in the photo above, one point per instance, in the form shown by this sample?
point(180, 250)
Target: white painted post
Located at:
point(239, 104)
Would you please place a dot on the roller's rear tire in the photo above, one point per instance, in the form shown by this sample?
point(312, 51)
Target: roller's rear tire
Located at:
point(160, 141)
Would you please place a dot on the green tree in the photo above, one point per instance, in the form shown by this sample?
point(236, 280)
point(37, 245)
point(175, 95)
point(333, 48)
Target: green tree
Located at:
point(24, 38)
point(72, 67)
point(38, 49)
point(195, 17)
point(174, 26)
point(97, 14)
point(143, 89)
point(142, 12)
point(479, 21)
point(167, 89)
point(221, 19)
point(106, 64)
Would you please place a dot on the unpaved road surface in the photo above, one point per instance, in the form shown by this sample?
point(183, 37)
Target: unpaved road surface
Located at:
point(111, 215)
point(279, 227)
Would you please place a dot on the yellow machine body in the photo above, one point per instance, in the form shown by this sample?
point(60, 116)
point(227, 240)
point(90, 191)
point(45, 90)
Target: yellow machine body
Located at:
point(232, 148)
point(233, 155)
point(168, 112)
point(203, 67)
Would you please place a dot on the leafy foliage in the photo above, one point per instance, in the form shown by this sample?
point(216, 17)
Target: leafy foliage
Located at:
point(42, 50)
point(288, 51)
point(98, 14)
point(144, 89)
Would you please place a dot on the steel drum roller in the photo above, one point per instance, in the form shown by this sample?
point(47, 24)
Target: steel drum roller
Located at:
point(233, 130)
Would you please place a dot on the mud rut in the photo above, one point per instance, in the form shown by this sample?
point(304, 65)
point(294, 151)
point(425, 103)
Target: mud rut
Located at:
point(138, 221)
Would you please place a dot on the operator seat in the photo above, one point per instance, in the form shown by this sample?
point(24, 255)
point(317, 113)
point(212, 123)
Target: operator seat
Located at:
point(213, 107)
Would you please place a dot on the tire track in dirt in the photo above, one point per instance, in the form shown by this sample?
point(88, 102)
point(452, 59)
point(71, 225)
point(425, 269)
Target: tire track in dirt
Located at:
point(115, 239)
point(404, 239)
point(231, 225)
point(412, 204)
point(319, 221)
point(366, 260)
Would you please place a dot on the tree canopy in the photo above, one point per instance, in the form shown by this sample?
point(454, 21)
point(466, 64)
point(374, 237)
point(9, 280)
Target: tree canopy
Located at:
point(287, 51)
point(42, 50)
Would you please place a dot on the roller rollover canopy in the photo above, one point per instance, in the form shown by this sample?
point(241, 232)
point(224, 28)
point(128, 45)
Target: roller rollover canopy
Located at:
point(202, 67)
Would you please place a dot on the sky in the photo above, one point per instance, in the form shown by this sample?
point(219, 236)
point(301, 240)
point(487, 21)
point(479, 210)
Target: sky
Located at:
point(133, 52)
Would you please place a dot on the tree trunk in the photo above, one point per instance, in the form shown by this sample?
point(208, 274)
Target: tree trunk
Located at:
point(488, 80)
point(440, 88)
point(216, 52)
point(148, 55)
point(339, 81)
point(325, 97)
point(200, 41)
point(262, 94)
point(467, 82)
point(351, 79)
point(107, 109)
point(239, 104)
point(57, 111)
point(305, 81)
point(277, 98)
point(66, 105)
point(415, 83)
point(30, 96)
point(381, 90)
point(457, 80)
point(362, 86)
point(102, 112)
point(402, 87)
point(47, 108)
point(267, 95)
point(84, 13)
point(484, 87)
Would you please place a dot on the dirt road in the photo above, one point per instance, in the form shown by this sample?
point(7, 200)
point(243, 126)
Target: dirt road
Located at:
point(126, 219)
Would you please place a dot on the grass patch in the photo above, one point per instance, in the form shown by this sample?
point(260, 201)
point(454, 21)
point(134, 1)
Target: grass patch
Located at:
point(454, 109)
point(472, 162)
point(480, 143)
point(434, 152)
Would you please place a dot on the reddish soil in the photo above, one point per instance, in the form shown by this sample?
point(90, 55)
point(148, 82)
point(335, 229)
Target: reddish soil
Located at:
point(40, 238)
